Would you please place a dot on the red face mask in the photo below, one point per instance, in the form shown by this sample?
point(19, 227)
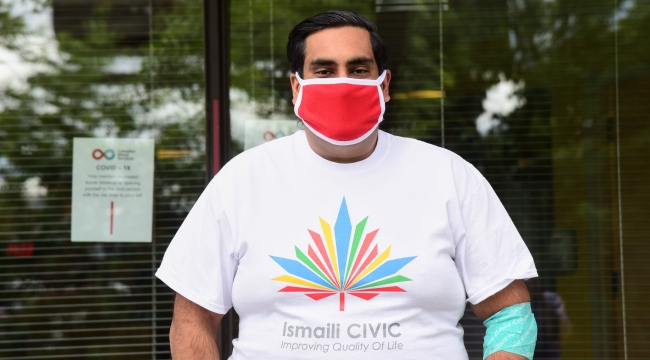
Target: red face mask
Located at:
point(341, 111)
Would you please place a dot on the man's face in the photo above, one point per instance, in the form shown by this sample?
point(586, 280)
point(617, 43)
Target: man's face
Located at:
point(339, 52)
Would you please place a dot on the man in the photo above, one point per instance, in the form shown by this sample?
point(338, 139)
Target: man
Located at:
point(343, 241)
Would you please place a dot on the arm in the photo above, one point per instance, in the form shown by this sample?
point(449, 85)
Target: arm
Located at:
point(193, 333)
point(515, 293)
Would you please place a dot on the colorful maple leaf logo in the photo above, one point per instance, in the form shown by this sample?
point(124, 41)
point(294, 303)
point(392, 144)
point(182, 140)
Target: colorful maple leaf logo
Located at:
point(346, 265)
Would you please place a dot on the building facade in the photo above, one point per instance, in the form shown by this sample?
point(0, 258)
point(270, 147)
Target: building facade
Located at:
point(547, 98)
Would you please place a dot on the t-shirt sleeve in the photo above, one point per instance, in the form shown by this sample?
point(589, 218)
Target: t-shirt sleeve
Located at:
point(490, 253)
point(200, 262)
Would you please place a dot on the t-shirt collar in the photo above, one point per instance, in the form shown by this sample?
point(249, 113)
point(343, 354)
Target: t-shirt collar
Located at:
point(320, 163)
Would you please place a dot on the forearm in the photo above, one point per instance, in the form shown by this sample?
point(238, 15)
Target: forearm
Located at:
point(193, 334)
point(189, 341)
point(504, 355)
point(511, 327)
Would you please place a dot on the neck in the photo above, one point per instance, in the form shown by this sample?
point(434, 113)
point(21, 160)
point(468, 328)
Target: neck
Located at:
point(342, 154)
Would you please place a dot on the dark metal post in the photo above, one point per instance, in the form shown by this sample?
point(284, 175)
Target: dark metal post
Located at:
point(217, 81)
point(217, 85)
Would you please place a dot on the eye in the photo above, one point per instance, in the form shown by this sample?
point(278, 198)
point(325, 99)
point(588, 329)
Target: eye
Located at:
point(323, 72)
point(359, 71)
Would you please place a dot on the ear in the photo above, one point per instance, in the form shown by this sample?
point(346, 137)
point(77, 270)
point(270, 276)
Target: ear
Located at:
point(295, 87)
point(384, 86)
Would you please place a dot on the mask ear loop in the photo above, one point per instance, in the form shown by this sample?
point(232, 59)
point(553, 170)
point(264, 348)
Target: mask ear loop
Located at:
point(299, 99)
point(382, 102)
point(381, 78)
point(300, 80)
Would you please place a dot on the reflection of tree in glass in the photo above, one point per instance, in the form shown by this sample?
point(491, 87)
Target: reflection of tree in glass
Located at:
point(551, 161)
point(259, 76)
point(101, 82)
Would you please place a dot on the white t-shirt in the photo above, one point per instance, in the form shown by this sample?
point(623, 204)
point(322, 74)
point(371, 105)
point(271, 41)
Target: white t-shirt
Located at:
point(410, 234)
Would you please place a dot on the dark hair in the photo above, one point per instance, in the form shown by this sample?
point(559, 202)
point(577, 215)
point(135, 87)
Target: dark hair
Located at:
point(332, 19)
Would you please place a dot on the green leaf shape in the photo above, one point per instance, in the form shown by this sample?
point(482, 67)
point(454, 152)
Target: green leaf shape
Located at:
point(390, 280)
point(358, 233)
point(305, 260)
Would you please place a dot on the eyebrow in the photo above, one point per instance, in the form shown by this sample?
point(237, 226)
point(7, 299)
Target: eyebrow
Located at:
point(361, 60)
point(322, 62)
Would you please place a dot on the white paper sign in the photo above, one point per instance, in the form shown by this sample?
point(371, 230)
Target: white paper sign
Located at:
point(257, 132)
point(112, 190)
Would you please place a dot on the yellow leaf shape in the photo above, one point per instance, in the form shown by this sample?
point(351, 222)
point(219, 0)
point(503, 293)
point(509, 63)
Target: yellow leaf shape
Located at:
point(299, 281)
point(327, 231)
point(380, 259)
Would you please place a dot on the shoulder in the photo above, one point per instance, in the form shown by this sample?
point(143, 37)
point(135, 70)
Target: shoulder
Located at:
point(439, 161)
point(281, 147)
point(432, 154)
point(256, 161)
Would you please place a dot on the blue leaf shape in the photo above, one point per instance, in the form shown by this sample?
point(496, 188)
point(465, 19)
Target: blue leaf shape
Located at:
point(296, 268)
point(343, 233)
point(386, 269)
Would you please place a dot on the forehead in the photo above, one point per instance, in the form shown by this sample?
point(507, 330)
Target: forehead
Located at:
point(338, 44)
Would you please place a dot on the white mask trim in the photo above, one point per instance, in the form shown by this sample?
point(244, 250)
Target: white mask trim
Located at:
point(342, 80)
point(338, 142)
point(329, 81)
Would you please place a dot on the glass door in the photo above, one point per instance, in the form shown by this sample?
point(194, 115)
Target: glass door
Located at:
point(544, 98)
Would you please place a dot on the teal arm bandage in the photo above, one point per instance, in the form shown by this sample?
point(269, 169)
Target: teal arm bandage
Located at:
point(512, 329)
